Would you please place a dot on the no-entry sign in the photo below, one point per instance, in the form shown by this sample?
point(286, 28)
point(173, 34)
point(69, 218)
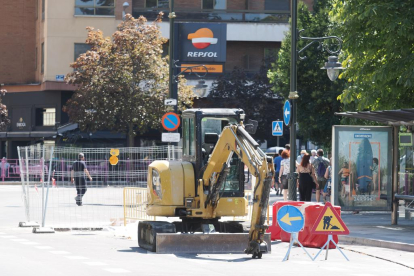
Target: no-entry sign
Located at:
point(170, 121)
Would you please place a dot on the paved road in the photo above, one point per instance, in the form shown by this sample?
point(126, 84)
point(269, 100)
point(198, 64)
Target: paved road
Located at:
point(115, 251)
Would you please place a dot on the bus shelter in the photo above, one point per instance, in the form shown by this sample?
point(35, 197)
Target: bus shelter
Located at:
point(399, 159)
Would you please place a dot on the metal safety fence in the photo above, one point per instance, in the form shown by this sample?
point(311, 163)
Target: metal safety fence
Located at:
point(135, 201)
point(50, 194)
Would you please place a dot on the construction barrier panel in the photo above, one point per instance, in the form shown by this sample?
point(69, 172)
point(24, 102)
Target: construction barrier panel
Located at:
point(311, 211)
point(135, 201)
point(274, 229)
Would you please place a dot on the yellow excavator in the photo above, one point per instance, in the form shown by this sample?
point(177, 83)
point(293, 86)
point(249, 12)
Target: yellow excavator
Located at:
point(209, 182)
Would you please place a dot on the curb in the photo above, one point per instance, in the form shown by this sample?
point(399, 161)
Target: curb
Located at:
point(10, 183)
point(377, 243)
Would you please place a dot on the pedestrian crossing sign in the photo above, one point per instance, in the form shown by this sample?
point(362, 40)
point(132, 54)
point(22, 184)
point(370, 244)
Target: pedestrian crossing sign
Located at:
point(277, 128)
point(329, 222)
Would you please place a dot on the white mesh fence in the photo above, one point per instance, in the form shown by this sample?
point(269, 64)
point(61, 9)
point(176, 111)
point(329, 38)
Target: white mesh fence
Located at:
point(102, 204)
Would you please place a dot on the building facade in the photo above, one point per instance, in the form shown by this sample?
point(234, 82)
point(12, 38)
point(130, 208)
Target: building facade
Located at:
point(40, 38)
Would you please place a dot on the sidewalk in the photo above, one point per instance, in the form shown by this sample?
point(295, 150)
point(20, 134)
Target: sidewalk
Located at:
point(375, 229)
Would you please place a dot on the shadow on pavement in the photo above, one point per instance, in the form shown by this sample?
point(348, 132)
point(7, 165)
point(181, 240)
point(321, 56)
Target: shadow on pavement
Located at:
point(134, 250)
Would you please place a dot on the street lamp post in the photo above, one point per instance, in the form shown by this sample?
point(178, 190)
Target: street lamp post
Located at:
point(332, 67)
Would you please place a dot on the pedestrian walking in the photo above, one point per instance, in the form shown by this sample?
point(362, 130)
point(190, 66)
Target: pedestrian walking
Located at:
point(327, 190)
point(306, 179)
point(276, 162)
point(299, 158)
point(320, 164)
point(313, 155)
point(78, 174)
point(283, 173)
point(287, 147)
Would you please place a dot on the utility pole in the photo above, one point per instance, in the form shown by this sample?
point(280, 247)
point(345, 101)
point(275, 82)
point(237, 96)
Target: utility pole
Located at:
point(173, 86)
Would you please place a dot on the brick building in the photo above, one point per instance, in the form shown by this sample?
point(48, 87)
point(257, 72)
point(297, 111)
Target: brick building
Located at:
point(40, 38)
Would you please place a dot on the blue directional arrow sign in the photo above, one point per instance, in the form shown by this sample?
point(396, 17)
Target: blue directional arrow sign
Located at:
point(277, 128)
point(290, 219)
point(286, 113)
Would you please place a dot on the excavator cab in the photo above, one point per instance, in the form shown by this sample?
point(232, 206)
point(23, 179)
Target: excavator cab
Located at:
point(201, 130)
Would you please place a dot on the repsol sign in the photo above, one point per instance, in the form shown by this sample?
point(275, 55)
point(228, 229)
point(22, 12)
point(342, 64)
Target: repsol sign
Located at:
point(202, 54)
point(201, 42)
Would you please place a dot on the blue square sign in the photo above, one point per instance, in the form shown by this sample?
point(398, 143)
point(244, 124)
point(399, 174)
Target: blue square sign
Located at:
point(277, 128)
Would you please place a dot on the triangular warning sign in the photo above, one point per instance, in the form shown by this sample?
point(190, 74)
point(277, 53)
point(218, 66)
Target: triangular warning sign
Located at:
point(329, 222)
point(277, 128)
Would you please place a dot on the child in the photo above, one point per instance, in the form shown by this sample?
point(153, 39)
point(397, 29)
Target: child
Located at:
point(344, 172)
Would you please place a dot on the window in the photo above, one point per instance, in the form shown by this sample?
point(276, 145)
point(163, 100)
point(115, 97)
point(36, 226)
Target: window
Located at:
point(45, 116)
point(214, 4)
point(270, 53)
point(43, 9)
point(95, 7)
point(153, 4)
point(42, 66)
point(81, 48)
point(188, 137)
point(277, 5)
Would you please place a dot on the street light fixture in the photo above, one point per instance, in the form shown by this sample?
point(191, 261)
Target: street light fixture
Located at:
point(201, 88)
point(332, 67)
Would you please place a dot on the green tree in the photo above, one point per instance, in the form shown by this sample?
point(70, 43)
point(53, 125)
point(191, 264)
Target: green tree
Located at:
point(379, 47)
point(4, 119)
point(253, 94)
point(122, 81)
point(317, 101)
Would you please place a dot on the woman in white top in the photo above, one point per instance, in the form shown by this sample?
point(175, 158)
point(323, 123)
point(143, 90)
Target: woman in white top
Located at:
point(283, 173)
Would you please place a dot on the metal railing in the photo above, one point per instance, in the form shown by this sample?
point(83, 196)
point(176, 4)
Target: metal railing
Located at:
point(264, 16)
point(9, 170)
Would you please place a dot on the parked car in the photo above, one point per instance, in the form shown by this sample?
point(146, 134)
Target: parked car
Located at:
point(273, 150)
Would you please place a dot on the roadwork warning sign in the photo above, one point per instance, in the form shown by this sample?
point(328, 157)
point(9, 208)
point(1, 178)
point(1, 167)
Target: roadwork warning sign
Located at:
point(329, 222)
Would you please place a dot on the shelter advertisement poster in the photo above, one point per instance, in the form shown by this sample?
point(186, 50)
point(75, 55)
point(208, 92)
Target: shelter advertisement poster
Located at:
point(362, 168)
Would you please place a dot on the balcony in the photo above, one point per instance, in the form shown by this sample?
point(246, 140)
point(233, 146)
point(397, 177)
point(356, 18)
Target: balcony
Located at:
point(186, 15)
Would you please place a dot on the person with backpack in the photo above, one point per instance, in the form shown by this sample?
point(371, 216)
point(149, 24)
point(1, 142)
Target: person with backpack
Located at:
point(320, 164)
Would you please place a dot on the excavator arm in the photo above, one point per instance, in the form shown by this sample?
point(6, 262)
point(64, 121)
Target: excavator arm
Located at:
point(234, 139)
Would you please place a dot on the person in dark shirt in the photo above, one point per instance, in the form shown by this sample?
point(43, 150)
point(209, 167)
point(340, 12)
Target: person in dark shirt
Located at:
point(78, 174)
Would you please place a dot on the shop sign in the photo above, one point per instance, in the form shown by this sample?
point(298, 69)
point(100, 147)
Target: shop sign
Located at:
point(21, 124)
point(201, 42)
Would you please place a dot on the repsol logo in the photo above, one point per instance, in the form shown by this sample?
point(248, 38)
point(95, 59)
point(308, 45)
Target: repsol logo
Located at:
point(202, 54)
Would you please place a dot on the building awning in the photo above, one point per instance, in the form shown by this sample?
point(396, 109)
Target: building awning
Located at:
point(390, 117)
point(30, 134)
point(67, 127)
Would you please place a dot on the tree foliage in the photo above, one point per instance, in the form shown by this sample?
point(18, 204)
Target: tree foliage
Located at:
point(123, 80)
point(253, 94)
point(4, 119)
point(379, 46)
point(317, 101)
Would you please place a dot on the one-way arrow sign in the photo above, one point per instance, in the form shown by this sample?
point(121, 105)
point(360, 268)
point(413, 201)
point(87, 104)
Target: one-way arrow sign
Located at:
point(286, 113)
